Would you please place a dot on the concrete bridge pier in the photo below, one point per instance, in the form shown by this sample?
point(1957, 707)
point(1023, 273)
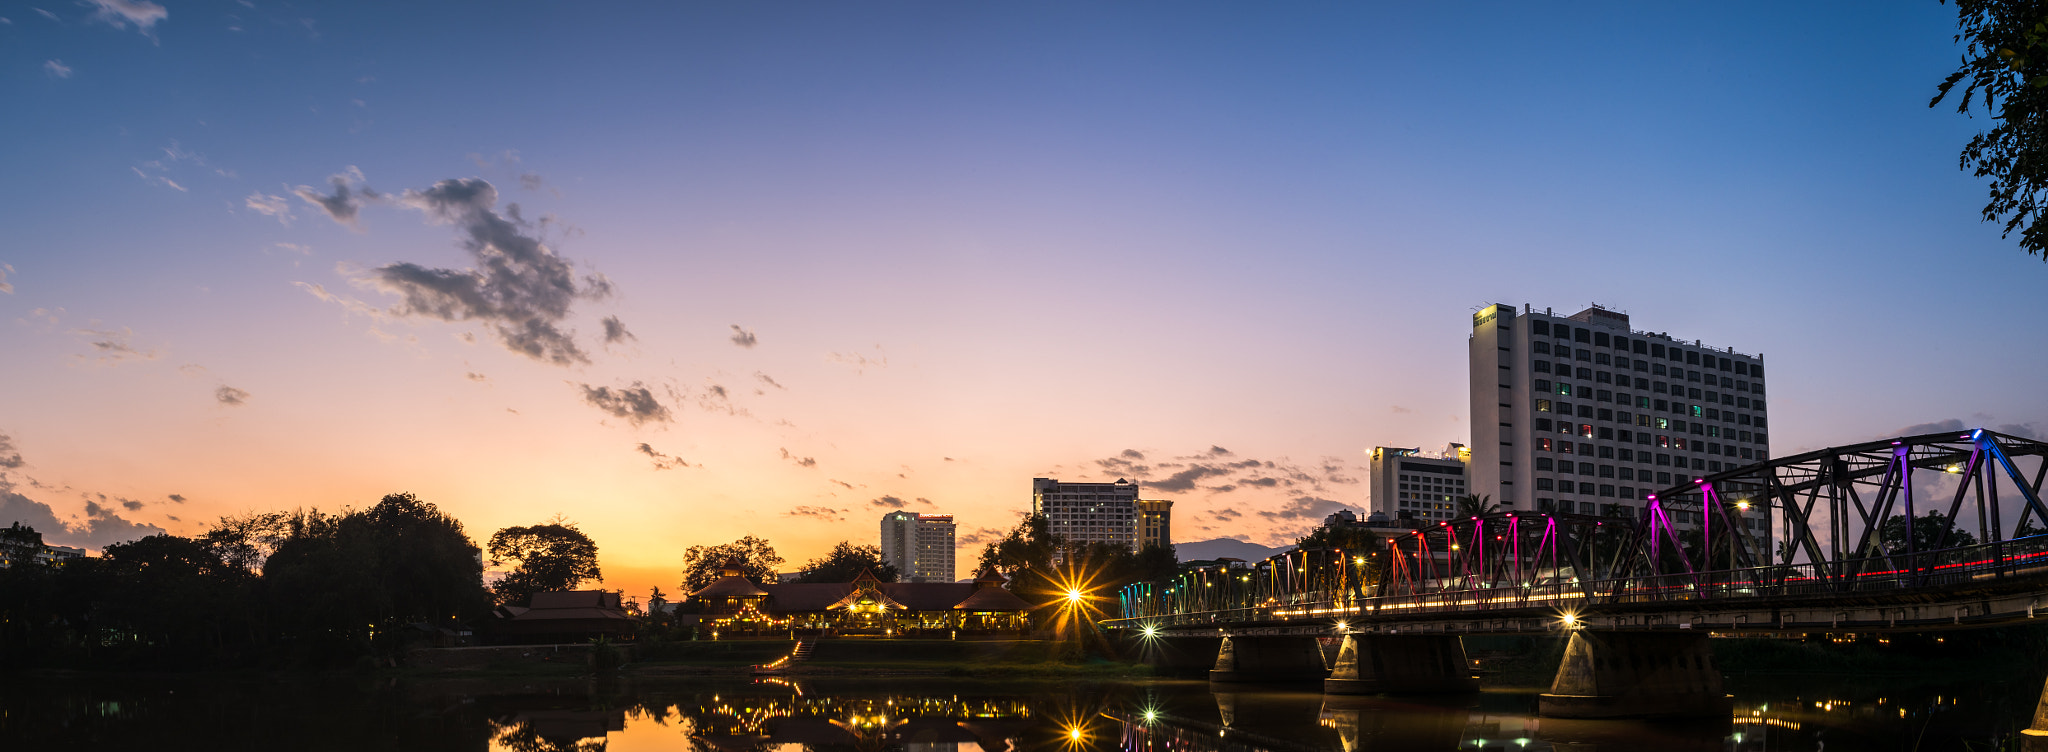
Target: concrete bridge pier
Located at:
point(1416, 664)
point(1268, 659)
point(1636, 675)
point(2035, 737)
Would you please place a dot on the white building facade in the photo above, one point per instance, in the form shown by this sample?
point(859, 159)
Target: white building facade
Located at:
point(1583, 414)
point(919, 546)
point(1082, 513)
point(1407, 483)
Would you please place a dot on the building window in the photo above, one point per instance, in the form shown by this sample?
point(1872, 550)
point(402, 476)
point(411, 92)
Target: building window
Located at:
point(1543, 444)
point(1542, 386)
point(1664, 479)
point(1543, 463)
point(1564, 446)
point(1663, 459)
point(1589, 489)
point(1606, 490)
point(1564, 389)
point(1628, 473)
point(1603, 377)
point(1544, 484)
point(1541, 366)
point(1602, 359)
point(1543, 406)
point(1542, 424)
point(1585, 374)
point(1586, 430)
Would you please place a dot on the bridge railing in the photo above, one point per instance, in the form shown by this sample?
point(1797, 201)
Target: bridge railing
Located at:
point(1948, 568)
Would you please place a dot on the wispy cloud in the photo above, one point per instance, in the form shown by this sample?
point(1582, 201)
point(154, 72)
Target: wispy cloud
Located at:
point(615, 331)
point(270, 206)
point(799, 461)
point(114, 345)
point(10, 457)
point(636, 403)
point(345, 202)
point(827, 514)
point(519, 288)
point(889, 502)
point(769, 380)
point(859, 362)
point(57, 68)
point(230, 396)
point(662, 461)
point(744, 337)
point(120, 13)
point(4, 285)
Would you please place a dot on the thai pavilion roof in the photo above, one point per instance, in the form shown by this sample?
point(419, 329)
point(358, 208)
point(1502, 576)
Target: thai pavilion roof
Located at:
point(729, 586)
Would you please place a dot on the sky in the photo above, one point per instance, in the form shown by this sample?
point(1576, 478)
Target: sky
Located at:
point(683, 272)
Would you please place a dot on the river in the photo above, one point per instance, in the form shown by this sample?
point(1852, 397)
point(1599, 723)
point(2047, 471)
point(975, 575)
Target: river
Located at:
point(732, 714)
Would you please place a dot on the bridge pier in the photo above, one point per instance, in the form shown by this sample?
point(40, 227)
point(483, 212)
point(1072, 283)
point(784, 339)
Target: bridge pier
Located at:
point(2035, 736)
point(1418, 664)
point(1635, 675)
point(1268, 659)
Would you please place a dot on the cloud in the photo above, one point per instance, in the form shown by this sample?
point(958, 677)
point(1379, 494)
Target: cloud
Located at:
point(180, 498)
point(766, 379)
point(1305, 508)
point(10, 457)
point(1185, 480)
point(230, 396)
point(519, 289)
point(1217, 451)
point(1399, 410)
point(302, 250)
point(159, 180)
point(474, 376)
point(981, 536)
point(4, 286)
point(120, 13)
point(2022, 430)
point(48, 15)
point(113, 345)
point(635, 403)
point(823, 513)
point(859, 362)
point(615, 330)
point(662, 461)
point(346, 201)
point(890, 502)
point(270, 206)
point(718, 392)
point(925, 501)
point(530, 181)
point(1951, 425)
point(800, 461)
point(131, 505)
point(841, 483)
point(101, 526)
point(744, 337)
point(57, 68)
point(1225, 515)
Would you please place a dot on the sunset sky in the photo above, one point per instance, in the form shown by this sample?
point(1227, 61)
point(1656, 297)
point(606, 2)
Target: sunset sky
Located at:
point(682, 272)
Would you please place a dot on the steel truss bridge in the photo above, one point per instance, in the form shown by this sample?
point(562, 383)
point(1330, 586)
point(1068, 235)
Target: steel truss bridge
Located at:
point(1899, 534)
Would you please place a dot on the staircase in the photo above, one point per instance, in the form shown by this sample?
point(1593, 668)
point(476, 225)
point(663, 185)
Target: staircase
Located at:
point(800, 654)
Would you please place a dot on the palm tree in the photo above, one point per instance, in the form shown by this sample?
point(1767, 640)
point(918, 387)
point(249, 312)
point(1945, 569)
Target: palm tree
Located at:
point(1475, 505)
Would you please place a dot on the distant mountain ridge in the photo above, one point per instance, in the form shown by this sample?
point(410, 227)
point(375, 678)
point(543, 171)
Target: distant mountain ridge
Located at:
point(1218, 548)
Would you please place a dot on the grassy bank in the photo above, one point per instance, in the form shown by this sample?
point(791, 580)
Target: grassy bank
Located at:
point(976, 658)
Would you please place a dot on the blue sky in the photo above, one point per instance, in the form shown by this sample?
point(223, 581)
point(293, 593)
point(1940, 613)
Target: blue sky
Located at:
point(975, 242)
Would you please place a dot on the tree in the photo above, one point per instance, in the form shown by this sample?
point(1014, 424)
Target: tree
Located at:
point(1929, 531)
point(2005, 60)
point(753, 557)
point(552, 556)
point(847, 561)
point(1475, 505)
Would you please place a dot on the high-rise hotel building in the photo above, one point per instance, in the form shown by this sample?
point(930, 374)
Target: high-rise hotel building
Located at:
point(1099, 512)
point(1404, 482)
point(919, 546)
point(1583, 414)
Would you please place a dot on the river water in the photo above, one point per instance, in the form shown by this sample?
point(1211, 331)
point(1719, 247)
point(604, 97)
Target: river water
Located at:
point(731, 714)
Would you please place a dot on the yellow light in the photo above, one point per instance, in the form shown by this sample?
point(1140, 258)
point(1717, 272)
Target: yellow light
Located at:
point(1074, 734)
point(1341, 626)
point(1742, 505)
point(1074, 596)
point(1151, 631)
point(1570, 620)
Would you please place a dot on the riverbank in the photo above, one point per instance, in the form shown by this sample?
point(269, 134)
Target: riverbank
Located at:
point(842, 657)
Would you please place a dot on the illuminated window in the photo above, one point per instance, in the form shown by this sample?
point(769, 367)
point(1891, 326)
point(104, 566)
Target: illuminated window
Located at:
point(1543, 406)
point(1586, 430)
point(1564, 389)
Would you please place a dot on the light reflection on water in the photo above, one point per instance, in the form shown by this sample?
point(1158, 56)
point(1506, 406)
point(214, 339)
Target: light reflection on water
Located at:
point(934, 715)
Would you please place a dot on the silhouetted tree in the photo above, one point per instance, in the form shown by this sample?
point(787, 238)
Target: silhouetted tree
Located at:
point(845, 562)
point(755, 559)
point(1928, 532)
point(2005, 68)
point(1475, 505)
point(552, 556)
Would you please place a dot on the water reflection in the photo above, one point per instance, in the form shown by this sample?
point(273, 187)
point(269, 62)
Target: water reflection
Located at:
point(931, 715)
